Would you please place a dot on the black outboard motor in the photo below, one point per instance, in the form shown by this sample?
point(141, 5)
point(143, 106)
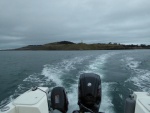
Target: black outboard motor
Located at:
point(89, 92)
point(59, 99)
point(130, 104)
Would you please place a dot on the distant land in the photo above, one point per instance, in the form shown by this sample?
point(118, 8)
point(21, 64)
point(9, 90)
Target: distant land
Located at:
point(67, 45)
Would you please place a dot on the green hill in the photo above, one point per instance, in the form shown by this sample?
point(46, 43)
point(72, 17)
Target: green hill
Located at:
point(66, 45)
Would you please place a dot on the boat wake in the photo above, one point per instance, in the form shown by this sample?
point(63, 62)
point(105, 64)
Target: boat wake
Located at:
point(139, 77)
point(66, 74)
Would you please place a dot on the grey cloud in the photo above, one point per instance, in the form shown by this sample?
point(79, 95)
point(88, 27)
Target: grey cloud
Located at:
point(24, 22)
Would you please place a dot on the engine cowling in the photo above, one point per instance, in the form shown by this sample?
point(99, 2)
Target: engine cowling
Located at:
point(59, 100)
point(89, 92)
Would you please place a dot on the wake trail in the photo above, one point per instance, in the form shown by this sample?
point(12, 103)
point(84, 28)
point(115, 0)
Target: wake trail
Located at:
point(54, 75)
point(50, 76)
point(139, 77)
point(96, 66)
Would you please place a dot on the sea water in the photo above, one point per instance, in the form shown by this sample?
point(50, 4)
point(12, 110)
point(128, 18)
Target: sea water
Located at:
point(121, 71)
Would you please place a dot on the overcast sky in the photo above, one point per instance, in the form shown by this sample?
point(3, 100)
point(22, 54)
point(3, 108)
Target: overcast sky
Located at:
point(24, 22)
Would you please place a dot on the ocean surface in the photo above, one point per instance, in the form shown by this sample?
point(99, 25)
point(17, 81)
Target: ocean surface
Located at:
point(121, 71)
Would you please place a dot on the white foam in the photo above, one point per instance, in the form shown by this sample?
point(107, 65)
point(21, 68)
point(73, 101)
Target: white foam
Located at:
point(106, 104)
point(141, 79)
point(69, 64)
point(120, 95)
point(97, 65)
point(131, 63)
point(32, 78)
point(73, 98)
point(53, 73)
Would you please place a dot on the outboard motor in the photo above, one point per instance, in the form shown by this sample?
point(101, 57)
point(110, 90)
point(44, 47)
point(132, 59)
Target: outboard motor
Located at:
point(89, 92)
point(130, 104)
point(59, 100)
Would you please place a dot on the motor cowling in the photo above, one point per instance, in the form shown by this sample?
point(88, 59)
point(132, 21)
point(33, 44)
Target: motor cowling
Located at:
point(130, 104)
point(59, 100)
point(89, 92)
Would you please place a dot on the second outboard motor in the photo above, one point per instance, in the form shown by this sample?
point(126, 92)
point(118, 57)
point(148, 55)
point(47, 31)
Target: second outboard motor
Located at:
point(89, 92)
point(59, 100)
point(130, 105)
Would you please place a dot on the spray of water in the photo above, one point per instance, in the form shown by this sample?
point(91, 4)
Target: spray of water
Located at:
point(140, 77)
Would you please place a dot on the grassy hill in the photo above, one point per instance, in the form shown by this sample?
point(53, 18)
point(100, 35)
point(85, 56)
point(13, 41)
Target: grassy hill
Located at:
point(66, 45)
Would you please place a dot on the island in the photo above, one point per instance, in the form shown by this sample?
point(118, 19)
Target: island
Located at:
point(67, 45)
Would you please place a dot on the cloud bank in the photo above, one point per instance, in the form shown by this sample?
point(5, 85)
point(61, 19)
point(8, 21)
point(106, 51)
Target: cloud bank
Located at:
point(24, 22)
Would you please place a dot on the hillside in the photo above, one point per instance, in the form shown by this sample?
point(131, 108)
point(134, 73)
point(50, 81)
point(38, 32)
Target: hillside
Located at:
point(66, 45)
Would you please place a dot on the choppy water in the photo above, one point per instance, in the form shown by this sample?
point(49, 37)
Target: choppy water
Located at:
point(122, 72)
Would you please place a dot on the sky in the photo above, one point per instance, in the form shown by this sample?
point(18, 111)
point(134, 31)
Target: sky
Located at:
point(33, 22)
